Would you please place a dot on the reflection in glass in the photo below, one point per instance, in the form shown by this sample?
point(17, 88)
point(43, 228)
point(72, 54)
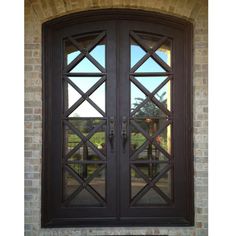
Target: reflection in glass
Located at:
point(84, 170)
point(84, 83)
point(98, 53)
point(71, 140)
point(85, 110)
point(70, 184)
point(98, 96)
point(164, 95)
point(85, 66)
point(72, 96)
point(151, 126)
point(137, 183)
point(150, 66)
point(136, 138)
point(150, 40)
point(136, 53)
point(98, 139)
point(136, 96)
point(151, 198)
point(164, 52)
point(85, 198)
point(164, 184)
point(151, 82)
point(164, 139)
point(151, 170)
point(84, 41)
point(149, 109)
point(70, 52)
point(98, 183)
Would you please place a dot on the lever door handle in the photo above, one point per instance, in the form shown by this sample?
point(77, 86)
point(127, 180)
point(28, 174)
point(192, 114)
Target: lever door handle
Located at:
point(111, 131)
point(124, 131)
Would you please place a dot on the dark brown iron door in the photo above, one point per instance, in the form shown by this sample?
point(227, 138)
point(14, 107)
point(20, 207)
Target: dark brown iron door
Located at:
point(116, 124)
point(152, 122)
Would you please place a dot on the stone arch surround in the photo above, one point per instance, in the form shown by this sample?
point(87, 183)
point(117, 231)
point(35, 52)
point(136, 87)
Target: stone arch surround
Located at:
point(39, 11)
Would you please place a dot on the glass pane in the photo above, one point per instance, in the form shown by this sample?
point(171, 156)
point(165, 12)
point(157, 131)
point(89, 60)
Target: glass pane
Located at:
point(164, 52)
point(84, 153)
point(84, 170)
point(151, 198)
point(151, 83)
point(85, 110)
point(164, 139)
point(71, 96)
point(98, 96)
point(136, 139)
point(99, 140)
point(165, 184)
point(98, 183)
point(86, 125)
point(84, 41)
point(85, 66)
point(70, 184)
point(164, 95)
point(136, 53)
point(149, 40)
point(84, 83)
point(70, 139)
point(150, 66)
point(137, 96)
point(99, 53)
point(151, 153)
point(149, 110)
point(70, 52)
point(150, 125)
point(84, 198)
point(137, 183)
point(151, 169)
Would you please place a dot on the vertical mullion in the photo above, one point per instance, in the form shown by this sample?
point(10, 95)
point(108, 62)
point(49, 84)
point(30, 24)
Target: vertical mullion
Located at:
point(124, 111)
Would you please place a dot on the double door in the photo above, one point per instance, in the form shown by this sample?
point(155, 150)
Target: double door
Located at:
point(116, 125)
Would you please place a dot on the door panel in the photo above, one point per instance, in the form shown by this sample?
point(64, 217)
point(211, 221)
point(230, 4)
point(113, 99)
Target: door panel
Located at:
point(84, 176)
point(115, 124)
point(153, 124)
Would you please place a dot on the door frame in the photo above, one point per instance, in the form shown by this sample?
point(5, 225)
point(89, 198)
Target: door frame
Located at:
point(48, 29)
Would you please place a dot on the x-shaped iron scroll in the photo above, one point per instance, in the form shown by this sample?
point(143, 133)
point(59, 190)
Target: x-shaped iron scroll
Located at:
point(150, 139)
point(85, 139)
point(84, 184)
point(85, 96)
point(150, 184)
point(149, 53)
point(85, 53)
point(150, 96)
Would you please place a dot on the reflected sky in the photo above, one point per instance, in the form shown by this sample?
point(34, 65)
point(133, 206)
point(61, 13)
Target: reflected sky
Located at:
point(85, 83)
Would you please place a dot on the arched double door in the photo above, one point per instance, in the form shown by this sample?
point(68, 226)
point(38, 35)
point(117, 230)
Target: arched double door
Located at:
point(117, 120)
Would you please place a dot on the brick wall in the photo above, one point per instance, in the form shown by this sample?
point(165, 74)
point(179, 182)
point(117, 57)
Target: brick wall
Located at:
point(39, 11)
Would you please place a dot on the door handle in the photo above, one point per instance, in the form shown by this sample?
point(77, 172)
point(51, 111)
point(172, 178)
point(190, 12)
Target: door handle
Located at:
point(111, 131)
point(124, 132)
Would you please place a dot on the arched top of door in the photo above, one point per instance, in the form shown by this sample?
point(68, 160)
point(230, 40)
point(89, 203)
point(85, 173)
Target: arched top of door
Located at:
point(118, 14)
